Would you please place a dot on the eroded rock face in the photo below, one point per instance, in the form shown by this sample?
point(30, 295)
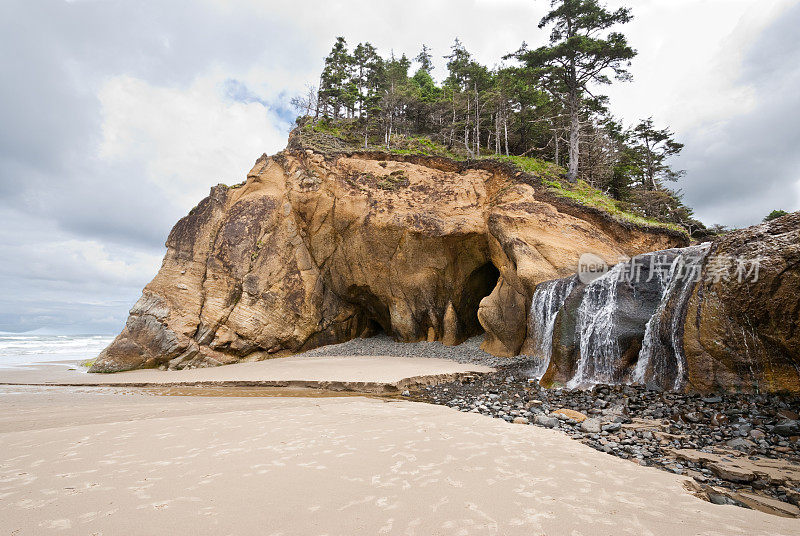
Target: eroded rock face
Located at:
point(316, 249)
point(745, 335)
point(730, 322)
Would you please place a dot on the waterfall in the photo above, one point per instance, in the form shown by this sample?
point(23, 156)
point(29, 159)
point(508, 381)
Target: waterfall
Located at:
point(599, 351)
point(628, 323)
point(547, 300)
point(651, 342)
point(659, 359)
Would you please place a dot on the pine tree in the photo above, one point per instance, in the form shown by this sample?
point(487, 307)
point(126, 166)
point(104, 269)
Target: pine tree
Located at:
point(424, 59)
point(367, 71)
point(578, 56)
point(334, 91)
point(653, 147)
point(396, 72)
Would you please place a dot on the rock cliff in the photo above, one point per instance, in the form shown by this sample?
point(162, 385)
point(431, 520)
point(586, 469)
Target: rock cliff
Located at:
point(731, 322)
point(745, 335)
point(321, 247)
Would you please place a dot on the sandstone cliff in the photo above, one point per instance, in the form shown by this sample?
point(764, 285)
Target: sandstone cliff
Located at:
point(316, 248)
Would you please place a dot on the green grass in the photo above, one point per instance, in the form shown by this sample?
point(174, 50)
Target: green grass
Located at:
point(589, 196)
point(581, 192)
point(325, 127)
point(424, 146)
point(393, 181)
point(551, 176)
point(535, 166)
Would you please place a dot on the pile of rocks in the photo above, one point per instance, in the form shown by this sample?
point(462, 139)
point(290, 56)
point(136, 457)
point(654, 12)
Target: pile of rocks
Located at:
point(707, 438)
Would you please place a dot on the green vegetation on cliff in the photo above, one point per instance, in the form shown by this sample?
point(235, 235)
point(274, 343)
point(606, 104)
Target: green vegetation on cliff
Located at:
point(775, 214)
point(329, 136)
point(537, 106)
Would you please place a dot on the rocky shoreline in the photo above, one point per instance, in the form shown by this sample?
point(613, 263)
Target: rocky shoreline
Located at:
point(741, 449)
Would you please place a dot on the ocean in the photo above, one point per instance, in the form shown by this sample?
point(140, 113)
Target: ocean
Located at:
point(24, 349)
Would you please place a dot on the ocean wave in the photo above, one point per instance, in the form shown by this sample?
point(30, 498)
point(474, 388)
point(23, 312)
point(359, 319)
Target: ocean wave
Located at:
point(21, 349)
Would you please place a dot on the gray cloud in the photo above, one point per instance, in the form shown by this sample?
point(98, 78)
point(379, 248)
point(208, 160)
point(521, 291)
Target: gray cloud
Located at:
point(118, 116)
point(740, 169)
point(76, 225)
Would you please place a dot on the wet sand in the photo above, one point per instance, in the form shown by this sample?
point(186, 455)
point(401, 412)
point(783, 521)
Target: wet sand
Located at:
point(95, 461)
point(370, 374)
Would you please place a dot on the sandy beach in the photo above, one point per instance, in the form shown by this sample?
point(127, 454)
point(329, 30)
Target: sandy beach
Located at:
point(96, 461)
point(363, 374)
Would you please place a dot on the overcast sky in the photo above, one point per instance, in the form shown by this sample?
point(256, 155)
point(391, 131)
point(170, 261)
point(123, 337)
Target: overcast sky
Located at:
point(117, 117)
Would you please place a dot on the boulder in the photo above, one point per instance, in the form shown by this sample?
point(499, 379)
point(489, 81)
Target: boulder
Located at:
point(546, 421)
point(787, 428)
point(570, 414)
point(591, 426)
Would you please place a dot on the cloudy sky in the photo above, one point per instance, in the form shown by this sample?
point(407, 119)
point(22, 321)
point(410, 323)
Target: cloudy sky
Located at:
point(118, 116)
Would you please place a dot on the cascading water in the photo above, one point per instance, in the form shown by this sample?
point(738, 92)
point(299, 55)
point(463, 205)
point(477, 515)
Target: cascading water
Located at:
point(651, 344)
point(547, 300)
point(627, 323)
point(661, 361)
point(599, 351)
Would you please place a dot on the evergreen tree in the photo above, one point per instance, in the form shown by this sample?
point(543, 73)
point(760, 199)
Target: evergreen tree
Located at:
point(393, 101)
point(424, 59)
point(653, 147)
point(336, 78)
point(367, 76)
point(542, 107)
point(578, 56)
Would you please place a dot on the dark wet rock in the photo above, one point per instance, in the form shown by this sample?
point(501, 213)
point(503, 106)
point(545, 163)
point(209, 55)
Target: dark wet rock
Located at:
point(546, 421)
point(787, 428)
point(741, 334)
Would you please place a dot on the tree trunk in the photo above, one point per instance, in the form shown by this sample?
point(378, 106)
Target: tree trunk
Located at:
point(574, 136)
point(389, 134)
point(557, 147)
point(466, 129)
point(505, 128)
point(366, 131)
point(453, 124)
point(497, 133)
point(477, 123)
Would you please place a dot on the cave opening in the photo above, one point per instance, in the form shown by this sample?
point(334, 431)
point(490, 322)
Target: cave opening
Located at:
point(480, 283)
point(377, 318)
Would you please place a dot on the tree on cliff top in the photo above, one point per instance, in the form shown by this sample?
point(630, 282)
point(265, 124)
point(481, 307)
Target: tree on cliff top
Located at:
point(653, 148)
point(775, 214)
point(578, 55)
point(333, 87)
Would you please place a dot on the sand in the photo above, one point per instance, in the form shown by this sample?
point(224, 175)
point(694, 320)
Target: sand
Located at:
point(353, 373)
point(88, 461)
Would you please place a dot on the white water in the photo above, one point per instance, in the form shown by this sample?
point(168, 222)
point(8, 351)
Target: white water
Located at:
point(651, 344)
point(660, 362)
point(547, 300)
point(599, 351)
point(675, 290)
point(25, 349)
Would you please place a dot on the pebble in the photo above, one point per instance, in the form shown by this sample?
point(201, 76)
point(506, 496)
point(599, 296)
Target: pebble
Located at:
point(467, 352)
